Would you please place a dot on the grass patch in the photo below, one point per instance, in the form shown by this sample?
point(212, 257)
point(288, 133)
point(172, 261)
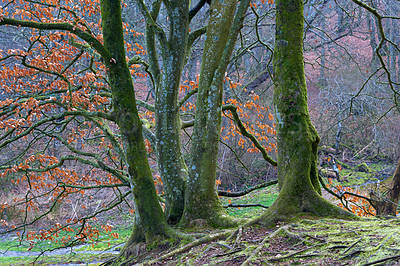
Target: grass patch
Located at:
point(265, 196)
point(72, 258)
point(103, 242)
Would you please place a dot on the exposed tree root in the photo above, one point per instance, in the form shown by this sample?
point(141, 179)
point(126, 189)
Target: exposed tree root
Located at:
point(352, 245)
point(382, 260)
point(296, 253)
point(137, 245)
point(238, 236)
point(315, 240)
point(197, 242)
point(257, 250)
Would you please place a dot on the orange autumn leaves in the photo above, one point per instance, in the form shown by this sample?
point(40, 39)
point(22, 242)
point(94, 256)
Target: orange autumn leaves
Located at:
point(254, 5)
point(353, 201)
point(255, 123)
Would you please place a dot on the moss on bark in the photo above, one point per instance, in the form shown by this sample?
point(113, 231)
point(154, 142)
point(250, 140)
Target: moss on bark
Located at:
point(296, 136)
point(150, 223)
point(201, 200)
point(172, 167)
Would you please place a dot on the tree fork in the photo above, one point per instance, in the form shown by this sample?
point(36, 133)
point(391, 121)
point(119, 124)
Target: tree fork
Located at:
point(201, 200)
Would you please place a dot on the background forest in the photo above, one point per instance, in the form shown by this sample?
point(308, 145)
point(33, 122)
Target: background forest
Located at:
point(156, 116)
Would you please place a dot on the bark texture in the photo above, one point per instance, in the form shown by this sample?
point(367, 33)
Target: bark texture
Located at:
point(172, 167)
point(201, 200)
point(297, 138)
point(150, 223)
point(390, 204)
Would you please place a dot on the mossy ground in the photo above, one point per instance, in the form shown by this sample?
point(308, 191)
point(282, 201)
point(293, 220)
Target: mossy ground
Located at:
point(302, 240)
point(353, 177)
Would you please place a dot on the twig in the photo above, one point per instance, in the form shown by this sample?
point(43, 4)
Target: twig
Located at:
point(363, 149)
point(245, 205)
point(189, 246)
point(257, 250)
point(247, 191)
point(382, 260)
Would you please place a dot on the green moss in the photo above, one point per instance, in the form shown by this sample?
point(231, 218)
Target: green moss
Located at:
point(363, 167)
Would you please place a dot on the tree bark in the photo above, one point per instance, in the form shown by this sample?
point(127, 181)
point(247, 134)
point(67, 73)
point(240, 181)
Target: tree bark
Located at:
point(389, 206)
point(172, 167)
point(201, 200)
point(150, 223)
point(297, 138)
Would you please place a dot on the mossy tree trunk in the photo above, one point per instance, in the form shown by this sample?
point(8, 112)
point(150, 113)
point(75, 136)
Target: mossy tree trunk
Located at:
point(297, 138)
point(390, 204)
point(172, 167)
point(150, 221)
point(201, 200)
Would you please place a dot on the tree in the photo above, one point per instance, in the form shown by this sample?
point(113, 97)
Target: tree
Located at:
point(201, 200)
point(191, 194)
point(76, 83)
point(297, 138)
point(387, 205)
point(172, 167)
point(40, 110)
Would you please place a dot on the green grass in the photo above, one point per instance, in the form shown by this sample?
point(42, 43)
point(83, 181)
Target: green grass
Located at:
point(73, 258)
point(264, 197)
point(103, 242)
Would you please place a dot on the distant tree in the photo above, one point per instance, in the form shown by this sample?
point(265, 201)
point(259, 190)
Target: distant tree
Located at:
point(387, 202)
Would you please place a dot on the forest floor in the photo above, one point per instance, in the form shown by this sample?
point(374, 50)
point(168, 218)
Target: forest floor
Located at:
point(307, 241)
point(302, 240)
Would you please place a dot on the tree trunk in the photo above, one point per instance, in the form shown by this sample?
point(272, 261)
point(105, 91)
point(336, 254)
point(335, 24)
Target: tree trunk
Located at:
point(297, 138)
point(150, 224)
point(201, 200)
point(389, 206)
point(173, 170)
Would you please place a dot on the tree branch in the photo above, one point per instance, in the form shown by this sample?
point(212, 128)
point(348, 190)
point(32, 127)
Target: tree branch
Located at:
point(152, 24)
point(244, 132)
point(196, 9)
point(247, 191)
point(90, 39)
